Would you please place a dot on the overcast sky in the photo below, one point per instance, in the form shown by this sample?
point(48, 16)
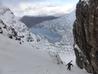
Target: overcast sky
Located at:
point(39, 7)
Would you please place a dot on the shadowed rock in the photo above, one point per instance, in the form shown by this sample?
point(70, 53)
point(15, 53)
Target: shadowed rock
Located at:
point(86, 35)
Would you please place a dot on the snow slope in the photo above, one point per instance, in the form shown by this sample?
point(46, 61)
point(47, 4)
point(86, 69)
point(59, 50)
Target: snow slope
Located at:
point(24, 59)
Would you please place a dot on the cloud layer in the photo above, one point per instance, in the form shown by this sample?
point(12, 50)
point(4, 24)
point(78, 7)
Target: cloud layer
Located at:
point(38, 7)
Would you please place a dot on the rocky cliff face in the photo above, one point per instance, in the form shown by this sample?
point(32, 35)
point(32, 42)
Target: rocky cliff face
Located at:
point(86, 35)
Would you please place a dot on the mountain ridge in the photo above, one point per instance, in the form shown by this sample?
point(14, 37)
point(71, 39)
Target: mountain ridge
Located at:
point(33, 20)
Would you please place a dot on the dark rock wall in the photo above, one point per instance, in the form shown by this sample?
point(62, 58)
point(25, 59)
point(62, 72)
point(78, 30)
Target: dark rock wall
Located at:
point(85, 32)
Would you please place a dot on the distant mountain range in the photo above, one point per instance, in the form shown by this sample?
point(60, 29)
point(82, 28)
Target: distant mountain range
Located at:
point(57, 30)
point(33, 20)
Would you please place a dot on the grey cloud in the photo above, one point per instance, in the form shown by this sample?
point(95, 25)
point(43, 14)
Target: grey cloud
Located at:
point(0, 2)
point(16, 2)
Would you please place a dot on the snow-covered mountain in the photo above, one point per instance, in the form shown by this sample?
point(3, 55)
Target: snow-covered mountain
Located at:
point(55, 35)
point(10, 25)
point(15, 29)
point(30, 57)
point(12, 28)
point(57, 30)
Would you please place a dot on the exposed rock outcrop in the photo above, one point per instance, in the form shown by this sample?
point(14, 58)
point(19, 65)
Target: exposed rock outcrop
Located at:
point(11, 27)
point(86, 35)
